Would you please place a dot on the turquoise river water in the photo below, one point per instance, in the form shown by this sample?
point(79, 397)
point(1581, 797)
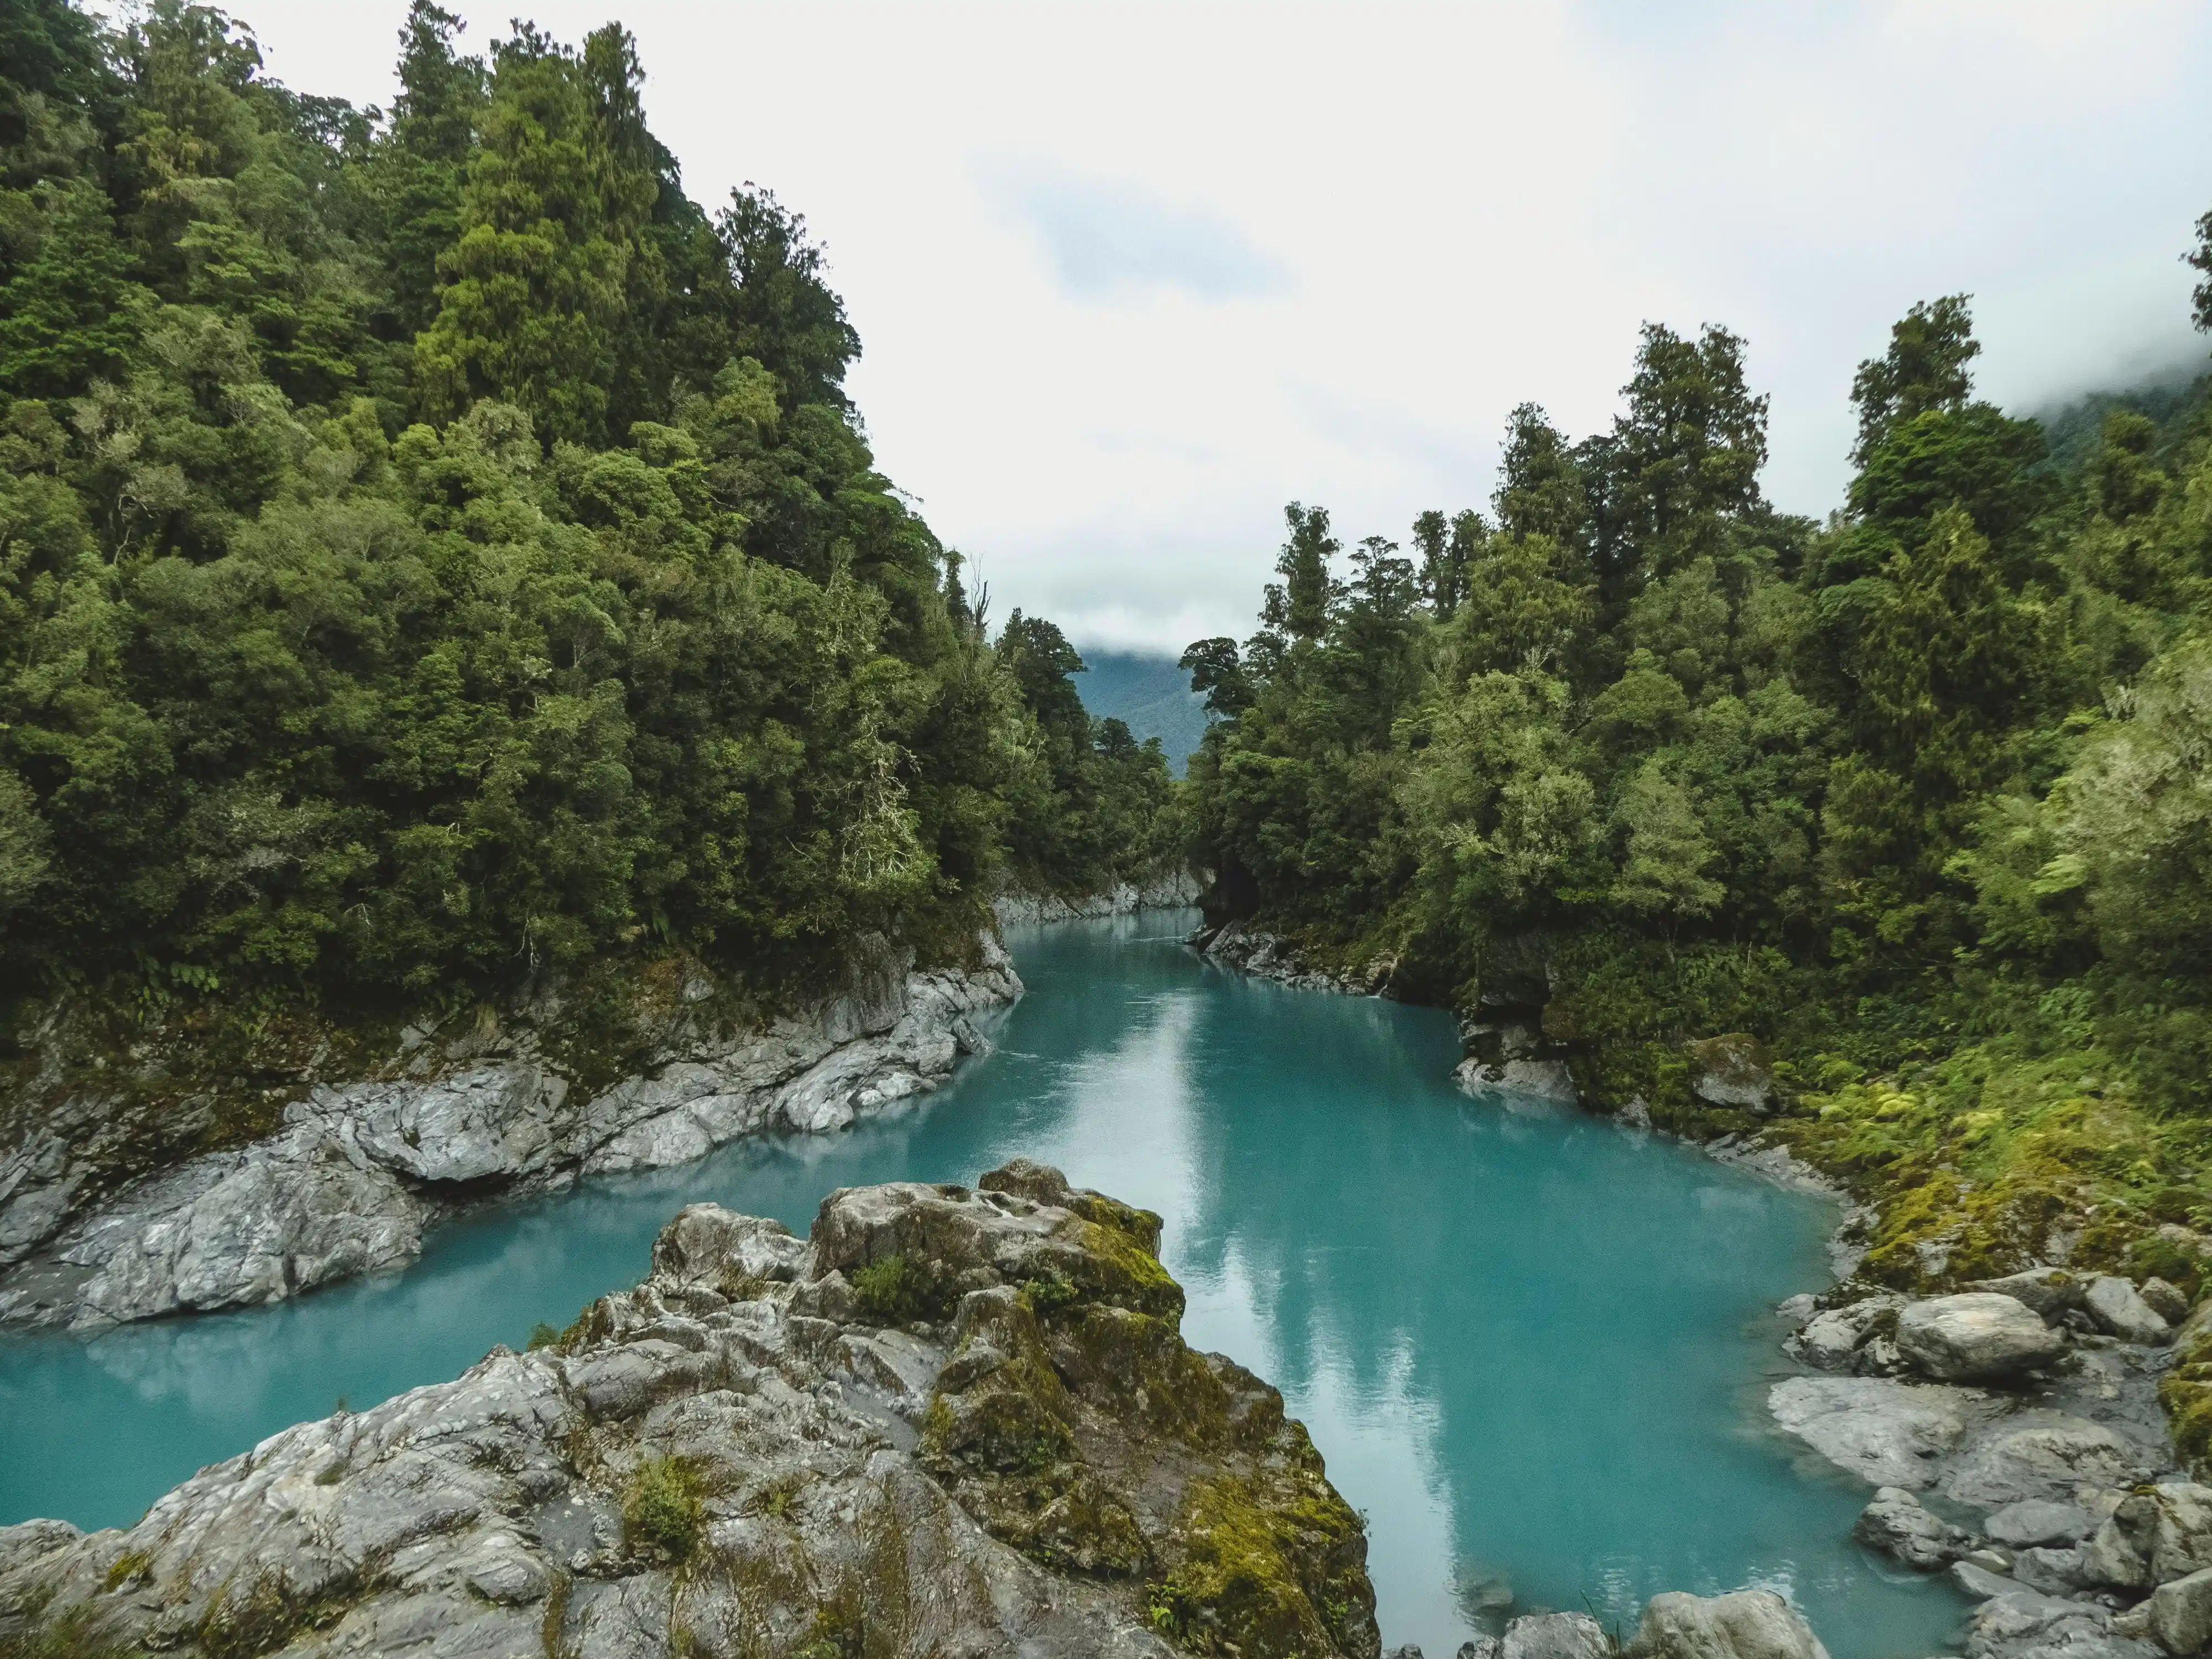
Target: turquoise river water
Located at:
point(1532, 1347)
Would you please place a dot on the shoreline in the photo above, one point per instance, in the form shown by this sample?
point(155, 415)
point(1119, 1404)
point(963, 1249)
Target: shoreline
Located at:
point(360, 1171)
point(2089, 1435)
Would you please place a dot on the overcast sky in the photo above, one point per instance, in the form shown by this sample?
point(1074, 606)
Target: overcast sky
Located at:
point(1132, 277)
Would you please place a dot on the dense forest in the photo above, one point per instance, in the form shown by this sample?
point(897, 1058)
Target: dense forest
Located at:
point(433, 549)
point(1921, 796)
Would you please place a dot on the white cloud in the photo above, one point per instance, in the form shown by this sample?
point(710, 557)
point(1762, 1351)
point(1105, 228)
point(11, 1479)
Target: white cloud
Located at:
point(1131, 276)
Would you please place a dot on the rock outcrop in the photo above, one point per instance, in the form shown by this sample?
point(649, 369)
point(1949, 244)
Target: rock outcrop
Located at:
point(1263, 955)
point(1176, 891)
point(360, 1169)
point(1978, 1336)
point(2096, 1547)
point(954, 1421)
point(1752, 1623)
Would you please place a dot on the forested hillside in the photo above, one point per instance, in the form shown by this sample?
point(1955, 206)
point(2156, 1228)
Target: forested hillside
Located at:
point(1921, 795)
point(433, 548)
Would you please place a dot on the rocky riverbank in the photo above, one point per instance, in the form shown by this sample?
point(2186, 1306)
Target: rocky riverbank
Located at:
point(1176, 891)
point(950, 1422)
point(2012, 1433)
point(2014, 1437)
point(360, 1167)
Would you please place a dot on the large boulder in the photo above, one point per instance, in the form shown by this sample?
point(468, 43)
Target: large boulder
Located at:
point(1977, 1336)
point(2155, 1535)
point(1898, 1525)
point(2052, 1291)
point(1751, 1624)
point(1732, 1072)
point(1886, 1432)
point(2119, 1310)
point(1003, 1444)
point(1555, 1635)
point(2038, 1521)
point(2046, 1454)
point(1833, 1341)
point(2181, 1613)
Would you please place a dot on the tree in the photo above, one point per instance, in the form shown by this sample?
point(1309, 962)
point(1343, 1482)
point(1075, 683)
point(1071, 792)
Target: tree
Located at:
point(1687, 451)
point(1925, 369)
point(1309, 592)
point(531, 293)
point(1541, 490)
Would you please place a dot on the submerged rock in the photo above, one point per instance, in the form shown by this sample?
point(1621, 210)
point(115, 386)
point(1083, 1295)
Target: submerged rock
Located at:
point(1002, 1443)
point(361, 1169)
point(1752, 1623)
point(1977, 1336)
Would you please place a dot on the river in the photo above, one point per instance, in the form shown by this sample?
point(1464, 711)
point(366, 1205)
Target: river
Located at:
point(1532, 1345)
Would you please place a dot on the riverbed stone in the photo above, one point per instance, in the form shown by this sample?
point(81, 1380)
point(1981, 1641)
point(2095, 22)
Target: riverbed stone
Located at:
point(2037, 1521)
point(697, 1455)
point(2053, 1571)
point(2052, 1291)
point(1976, 1336)
point(2155, 1535)
point(2045, 1454)
point(1751, 1624)
point(1899, 1525)
point(1886, 1432)
point(2167, 1301)
point(1832, 1341)
point(1555, 1635)
point(2025, 1624)
point(2180, 1618)
point(2119, 1310)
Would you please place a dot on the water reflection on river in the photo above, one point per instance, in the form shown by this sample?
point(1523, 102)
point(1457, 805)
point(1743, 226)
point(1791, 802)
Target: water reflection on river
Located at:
point(1530, 1345)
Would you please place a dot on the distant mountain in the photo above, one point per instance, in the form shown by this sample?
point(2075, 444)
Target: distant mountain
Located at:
point(1148, 693)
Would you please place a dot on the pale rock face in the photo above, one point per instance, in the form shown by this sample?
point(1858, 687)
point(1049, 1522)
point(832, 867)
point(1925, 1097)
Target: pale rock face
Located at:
point(1546, 1079)
point(361, 1169)
point(2050, 1291)
point(1900, 1526)
point(1831, 1341)
point(1555, 1635)
point(2045, 1455)
point(2181, 1613)
point(1732, 1072)
point(2119, 1310)
point(2153, 1537)
point(2017, 1623)
point(1750, 1624)
point(485, 1518)
point(2037, 1521)
point(1886, 1432)
point(1978, 1336)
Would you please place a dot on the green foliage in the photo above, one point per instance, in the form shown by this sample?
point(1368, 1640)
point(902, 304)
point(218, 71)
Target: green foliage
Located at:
point(1921, 797)
point(662, 1510)
point(434, 553)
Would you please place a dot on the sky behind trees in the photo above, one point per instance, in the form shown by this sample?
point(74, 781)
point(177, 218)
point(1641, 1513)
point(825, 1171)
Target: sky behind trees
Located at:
point(1128, 279)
